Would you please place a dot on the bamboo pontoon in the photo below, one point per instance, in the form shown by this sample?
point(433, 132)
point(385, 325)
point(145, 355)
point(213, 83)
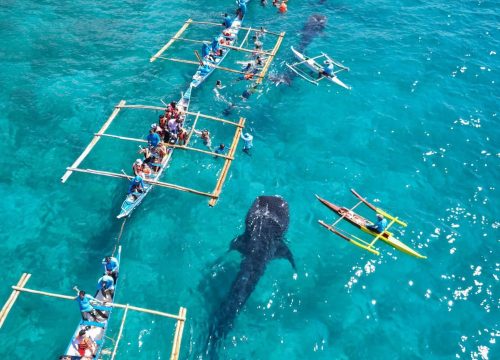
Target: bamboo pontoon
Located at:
point(180, 318)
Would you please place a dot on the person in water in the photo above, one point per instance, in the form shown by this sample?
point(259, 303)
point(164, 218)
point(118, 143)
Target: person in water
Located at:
point(379, 226)
point(86, 307)
point(221, 150)
point(327, 70)
point(248, 142)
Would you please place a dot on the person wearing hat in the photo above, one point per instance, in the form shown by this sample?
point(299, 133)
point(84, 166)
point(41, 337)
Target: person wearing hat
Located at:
point(327, 69)
point(137, 167)
point(379, 226)
point(248, 140)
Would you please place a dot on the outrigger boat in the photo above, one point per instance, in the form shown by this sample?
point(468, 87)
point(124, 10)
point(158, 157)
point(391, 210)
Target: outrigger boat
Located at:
point(317, 68)
point(133, 200)
point(96, 330)
point(362, 223)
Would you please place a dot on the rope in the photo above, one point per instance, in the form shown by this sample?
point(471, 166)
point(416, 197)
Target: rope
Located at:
point(119, 236)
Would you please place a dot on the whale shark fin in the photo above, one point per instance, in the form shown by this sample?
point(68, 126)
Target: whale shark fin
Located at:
point(284, 252)
point(238, 244)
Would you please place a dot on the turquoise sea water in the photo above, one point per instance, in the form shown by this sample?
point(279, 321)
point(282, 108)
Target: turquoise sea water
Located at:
point(418, 134)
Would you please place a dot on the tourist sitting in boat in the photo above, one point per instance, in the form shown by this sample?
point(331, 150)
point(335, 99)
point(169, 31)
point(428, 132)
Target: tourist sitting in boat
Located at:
point(227, 21)
point(84, 344)
point(327, 70)
point(111, 266)
point(157, 129)
point(86, 307)
point(106, 285)
point(172, 126)
point(153, 138)
point(379, 226)
point(136, 187)
point(228, 36)
point(242, 9)
point(146, 171)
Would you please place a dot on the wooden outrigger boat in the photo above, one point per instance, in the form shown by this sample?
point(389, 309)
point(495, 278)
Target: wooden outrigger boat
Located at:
point(96, 330)
point(132, 201)
point(317, 68)
point(227, 41)
point(362, 223)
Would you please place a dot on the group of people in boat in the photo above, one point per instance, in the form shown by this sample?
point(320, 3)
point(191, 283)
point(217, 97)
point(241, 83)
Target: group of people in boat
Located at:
point(168, 130)
point(83, 343)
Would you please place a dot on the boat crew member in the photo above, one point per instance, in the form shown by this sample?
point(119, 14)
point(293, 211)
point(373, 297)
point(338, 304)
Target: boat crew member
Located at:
point(205, 50)
point(86, 307)
point(327, 70)
point(111, 266)
point(242, 9)
point(84, 344)
point(136, 186)
point(227, 21)
point(379, 226)
point(216, 47)
point(248, 142)
point(153, 138)
point(221, 149)
point(106, 285)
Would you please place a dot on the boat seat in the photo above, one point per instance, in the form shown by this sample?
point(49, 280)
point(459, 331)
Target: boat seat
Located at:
point(93, 323)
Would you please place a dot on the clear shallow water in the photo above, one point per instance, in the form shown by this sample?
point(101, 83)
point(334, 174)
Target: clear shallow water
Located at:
point(418, 132)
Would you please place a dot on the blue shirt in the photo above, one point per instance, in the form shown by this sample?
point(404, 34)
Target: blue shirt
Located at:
point(109, 283)
point(135, 184)
point(205, 50)
point(85, 302)
point(112, 265)
point(215, 45)
point(153, 139)
point(228, 21)
point(220, 151)
point(381, 225)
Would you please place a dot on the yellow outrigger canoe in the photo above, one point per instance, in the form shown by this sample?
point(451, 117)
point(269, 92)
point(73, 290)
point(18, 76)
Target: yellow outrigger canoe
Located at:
point(361, 223)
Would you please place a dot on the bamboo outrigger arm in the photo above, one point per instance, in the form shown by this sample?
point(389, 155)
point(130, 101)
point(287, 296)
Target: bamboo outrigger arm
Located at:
point(171, 41)
point(94, 141)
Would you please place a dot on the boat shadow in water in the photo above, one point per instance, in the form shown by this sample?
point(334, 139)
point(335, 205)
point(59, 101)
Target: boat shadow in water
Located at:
point(263, 240)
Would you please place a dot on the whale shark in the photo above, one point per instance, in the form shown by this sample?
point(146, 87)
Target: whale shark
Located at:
point(263, 240)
